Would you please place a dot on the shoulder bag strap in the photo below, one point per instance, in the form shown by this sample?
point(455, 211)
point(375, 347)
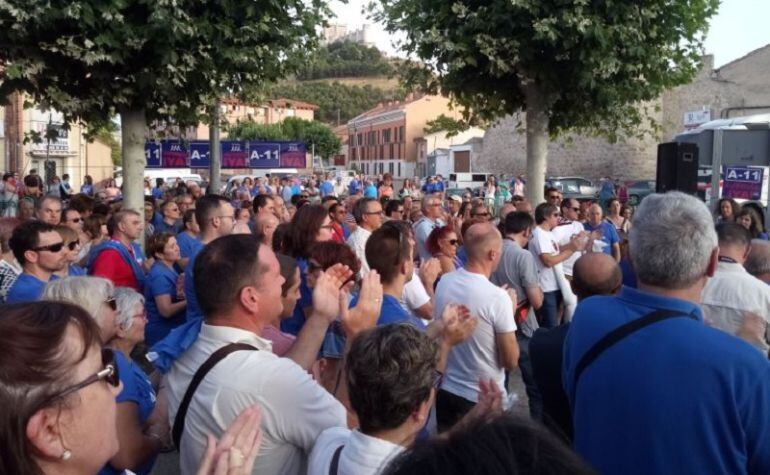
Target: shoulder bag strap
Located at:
point(334, 466)
point(619, 334)
point(215, 358)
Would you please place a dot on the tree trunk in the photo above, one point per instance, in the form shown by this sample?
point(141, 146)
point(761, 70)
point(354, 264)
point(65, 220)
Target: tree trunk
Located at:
point(215, 168)
point(133, 126)
point(537, 143)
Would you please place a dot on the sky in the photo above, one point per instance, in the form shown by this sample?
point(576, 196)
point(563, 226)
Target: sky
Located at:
point(739, 27)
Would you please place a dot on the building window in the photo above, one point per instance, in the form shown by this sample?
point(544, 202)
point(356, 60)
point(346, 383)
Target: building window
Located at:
point(382, 151)
point(390, 168)
point(401, 133)
point(391, 151)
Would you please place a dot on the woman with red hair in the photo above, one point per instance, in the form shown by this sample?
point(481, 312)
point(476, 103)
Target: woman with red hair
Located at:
point(442, 243)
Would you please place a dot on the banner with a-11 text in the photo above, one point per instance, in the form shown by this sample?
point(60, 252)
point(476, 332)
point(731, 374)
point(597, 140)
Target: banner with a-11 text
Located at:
point(235, 154)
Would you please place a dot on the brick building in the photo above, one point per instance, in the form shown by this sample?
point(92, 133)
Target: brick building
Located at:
point(735, 89)
point(383, 139)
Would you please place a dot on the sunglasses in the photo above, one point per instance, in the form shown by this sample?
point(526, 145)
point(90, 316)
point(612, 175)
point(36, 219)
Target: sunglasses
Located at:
point(50, 248)
point(453, 242)
point(71, 246)
point(112, 303)
point(76, 220)
point(108, 374)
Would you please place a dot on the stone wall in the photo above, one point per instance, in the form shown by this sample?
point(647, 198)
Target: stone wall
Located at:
point(728, 90)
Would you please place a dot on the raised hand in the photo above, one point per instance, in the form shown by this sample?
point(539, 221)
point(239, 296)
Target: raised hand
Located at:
point(367, 310)
point(457, 324)
point(327, 290)
point(237, 448)
point(429, 271)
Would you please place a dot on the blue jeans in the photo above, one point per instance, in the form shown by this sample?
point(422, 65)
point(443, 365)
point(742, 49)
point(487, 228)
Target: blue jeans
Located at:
point(548, 315)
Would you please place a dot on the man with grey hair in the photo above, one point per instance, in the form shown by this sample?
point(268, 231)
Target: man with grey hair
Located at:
point(652, 388)
point(758, 262)
point(368, 215)
point(431, 219)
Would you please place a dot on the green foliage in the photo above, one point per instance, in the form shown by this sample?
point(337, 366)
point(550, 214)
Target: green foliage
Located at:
point(92, 58)
point(345, 59)
point(443, 123)
point(350, 101)
point(587, 63)
point(292, 128)
point(105, 135)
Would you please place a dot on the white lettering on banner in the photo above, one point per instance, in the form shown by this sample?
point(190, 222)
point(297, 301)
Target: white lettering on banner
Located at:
point(235, 147)
point(175, 147)
point(154, 151)
point(195, 155)
point(744, 174)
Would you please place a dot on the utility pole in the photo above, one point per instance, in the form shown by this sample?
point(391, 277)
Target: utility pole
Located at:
point(215, 165)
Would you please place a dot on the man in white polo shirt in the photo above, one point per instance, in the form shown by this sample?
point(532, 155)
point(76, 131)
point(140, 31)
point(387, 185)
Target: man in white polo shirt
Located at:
point(568, 227)
point(238, 283)
point(492, 348)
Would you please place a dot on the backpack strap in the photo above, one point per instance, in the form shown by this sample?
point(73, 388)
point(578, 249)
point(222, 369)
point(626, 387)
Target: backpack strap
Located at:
point(619, 334)
point(334, 466)
point(207, 366)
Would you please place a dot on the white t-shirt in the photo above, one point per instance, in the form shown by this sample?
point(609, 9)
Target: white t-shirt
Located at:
point(544, 242)
point(476, 357)
point(362, 454)
point(415, 295)
point(563, 234)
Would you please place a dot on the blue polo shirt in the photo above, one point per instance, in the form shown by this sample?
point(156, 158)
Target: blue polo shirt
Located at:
point(175, 228)
point(676, 397)
point(194, 312)
point(354, 187)
point(27, 288)
point(138, 390)
point(609, 234)
point(393, 312)
point(187, 243)
point(160, 281)
point(326, 188)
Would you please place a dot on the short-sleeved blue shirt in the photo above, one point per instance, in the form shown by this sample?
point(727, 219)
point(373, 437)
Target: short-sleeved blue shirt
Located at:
point(187, 243)
point(193, 310)
point(173, 228)
point(609, 235)
point(393, 312)
point(27, 288)
point(677, 396)
point(295, 323)
point(136, 389)
point(160, 281)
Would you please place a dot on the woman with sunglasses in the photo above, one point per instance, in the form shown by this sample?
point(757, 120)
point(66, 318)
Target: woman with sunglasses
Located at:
point(442, 243)
point(97, 296)
point(71, 241)
point(61, 387)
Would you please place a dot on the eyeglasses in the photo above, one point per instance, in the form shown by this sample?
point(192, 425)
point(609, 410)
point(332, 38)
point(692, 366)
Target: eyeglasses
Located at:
point(108, 374)
point(50, 248)
point(76, 220)
point(71, 246)
point(453, 242)
point(112, 303)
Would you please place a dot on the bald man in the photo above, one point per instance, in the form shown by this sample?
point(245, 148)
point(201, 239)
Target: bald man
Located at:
point(603, 233)
point(264, 226)
point(492, 348)
point(758, 261)
point(594, 273)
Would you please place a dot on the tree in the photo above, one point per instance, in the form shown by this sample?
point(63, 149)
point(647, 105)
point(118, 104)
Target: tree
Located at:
point(147, 61)
point(444, 123)
point(579, 65)
point(314, 134)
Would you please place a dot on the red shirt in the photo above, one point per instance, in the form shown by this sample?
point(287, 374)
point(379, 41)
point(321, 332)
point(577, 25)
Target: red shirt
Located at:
point(110, 265)
point(338, 235)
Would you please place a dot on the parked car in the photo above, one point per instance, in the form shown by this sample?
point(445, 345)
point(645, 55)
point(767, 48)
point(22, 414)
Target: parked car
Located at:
point(638, 190)
point(573, 187)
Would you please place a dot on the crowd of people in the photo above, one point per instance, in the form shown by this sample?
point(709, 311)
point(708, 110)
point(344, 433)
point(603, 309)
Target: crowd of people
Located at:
point(288, 328)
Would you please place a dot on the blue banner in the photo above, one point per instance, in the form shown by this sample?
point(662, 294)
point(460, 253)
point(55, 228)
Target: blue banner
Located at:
point(200, 155)
point(173, 154)
point(264, 154)
point(235, 155)
point(293, 155)
point(152, 154)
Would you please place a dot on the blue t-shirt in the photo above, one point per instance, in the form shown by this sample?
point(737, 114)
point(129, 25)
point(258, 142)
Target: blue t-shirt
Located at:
point(295, 323)
point(27, 288)
point(439, 186)
point(326, 188)
point(609, 235)
point(354, 187)
point(136, 389)
point(157, 193)
point(674, 397)
point(187, 243)
point(370, 191)
point(174, 228)
point(393, 312)
point(160, 281)
point(193, 310)
point(76, 271)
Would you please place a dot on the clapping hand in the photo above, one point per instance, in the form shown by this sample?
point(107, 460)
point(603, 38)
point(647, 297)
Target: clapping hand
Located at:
point(327, 290)
point(237, 448)
point(429, 272)
point(457, 324)
point(489, 405)
point(367, 310)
